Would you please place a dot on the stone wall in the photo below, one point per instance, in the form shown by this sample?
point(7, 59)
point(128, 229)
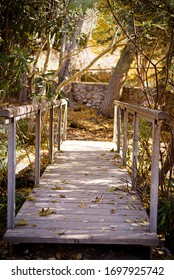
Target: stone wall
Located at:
point(91, 94)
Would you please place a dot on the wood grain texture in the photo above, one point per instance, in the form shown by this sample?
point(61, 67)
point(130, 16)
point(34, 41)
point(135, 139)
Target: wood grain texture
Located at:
point(88, 191)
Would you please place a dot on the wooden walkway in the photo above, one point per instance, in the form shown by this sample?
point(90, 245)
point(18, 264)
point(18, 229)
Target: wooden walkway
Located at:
point(87, 195)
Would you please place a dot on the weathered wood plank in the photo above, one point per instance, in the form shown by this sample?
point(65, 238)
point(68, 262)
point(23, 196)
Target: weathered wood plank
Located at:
point(79, 214)
point(151, 114)
point(27, 109)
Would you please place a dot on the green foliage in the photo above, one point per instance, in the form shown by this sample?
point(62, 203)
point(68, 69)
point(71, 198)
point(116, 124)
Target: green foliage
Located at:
point(84, 5)
point(3, 153)
point(166, 214)
point(12, 68)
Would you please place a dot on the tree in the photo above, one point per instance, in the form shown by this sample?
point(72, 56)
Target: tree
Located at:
point(29, 27)
point(149, 27)
point(118, 78)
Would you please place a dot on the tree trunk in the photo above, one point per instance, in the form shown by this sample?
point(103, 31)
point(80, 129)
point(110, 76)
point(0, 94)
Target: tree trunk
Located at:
point(115, 87)
point(66, 47)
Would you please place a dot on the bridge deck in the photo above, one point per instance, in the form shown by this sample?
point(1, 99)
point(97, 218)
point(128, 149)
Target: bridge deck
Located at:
point(88, 193)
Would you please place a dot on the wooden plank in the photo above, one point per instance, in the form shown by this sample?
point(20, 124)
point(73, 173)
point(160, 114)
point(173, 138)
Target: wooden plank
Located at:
point(11, 173)
point(78, 217)
point(27, 109)
point(85, 237)
point(151, 114)
point(155, 176)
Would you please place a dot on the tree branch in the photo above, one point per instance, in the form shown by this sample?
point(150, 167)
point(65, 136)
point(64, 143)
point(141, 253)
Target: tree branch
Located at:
point(72, 78)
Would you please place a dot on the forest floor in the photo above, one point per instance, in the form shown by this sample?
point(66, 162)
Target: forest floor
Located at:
point(87, 124)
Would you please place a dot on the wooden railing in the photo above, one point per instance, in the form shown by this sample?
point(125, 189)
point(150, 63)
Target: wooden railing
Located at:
point(11, 116)
point(121, 111)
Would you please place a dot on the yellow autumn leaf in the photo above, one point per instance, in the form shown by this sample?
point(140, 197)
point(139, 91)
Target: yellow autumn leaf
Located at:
point(30, 198)
point(22, 222)
point(98, 199)
point(46, 212)
point(64, 181)
point(57, 188)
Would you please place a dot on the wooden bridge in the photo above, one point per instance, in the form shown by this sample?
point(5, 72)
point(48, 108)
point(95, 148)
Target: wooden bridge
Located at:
point(85, 195)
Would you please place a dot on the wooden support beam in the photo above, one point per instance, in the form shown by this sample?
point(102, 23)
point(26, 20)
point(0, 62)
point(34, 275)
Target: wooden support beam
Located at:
point(118, 129)
point(115, 124)
point(37, 147)
point(59, 126)
point(64, 122)
point(11, 172)
point(135, 150)
point(51, 134)
point(125, 136)
point(155, 176)
point(147, 113)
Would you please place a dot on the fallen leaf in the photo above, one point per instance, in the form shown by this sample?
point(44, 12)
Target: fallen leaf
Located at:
point(61, 195)
point(46, 212)
point(76, 256)
point(64, 181)
point(54, 201)
point(143, 222)
point(81, 204)
point(131, 228)
point(113, 189)
point(111, 202)
point(122, 167)
point(57, 188)
point(30, 198)
point(34, 225)
point(98, 199)
point(22, 222)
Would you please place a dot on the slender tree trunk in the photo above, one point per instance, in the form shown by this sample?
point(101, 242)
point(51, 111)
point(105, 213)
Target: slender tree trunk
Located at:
point(66, 47)
point(115, 87)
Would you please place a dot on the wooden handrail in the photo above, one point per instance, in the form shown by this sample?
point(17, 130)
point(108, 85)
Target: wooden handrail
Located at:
point(27, 109)
point(155, 117)
point(11, 116)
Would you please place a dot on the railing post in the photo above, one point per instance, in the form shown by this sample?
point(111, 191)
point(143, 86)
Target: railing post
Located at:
point(11, 172)
point(51, 134)
point(155, 176)
point(117, 127)
point(65, 121)
point(125, 136)
point(135, 150)
point(59, 126)
point(37, 147)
